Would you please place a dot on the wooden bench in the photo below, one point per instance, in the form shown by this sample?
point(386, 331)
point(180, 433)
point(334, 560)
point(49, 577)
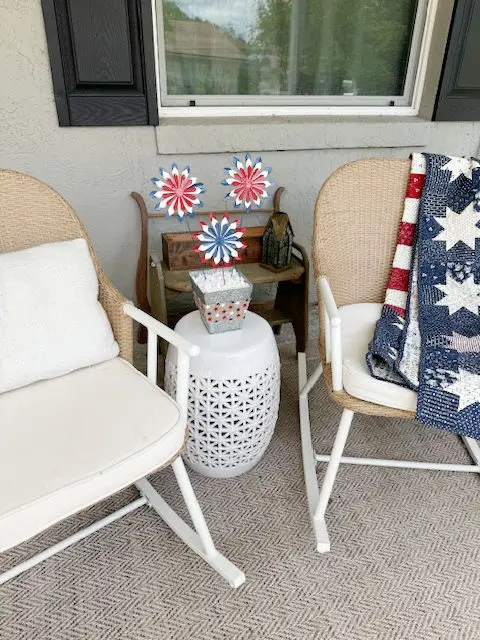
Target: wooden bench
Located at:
point(290, 304)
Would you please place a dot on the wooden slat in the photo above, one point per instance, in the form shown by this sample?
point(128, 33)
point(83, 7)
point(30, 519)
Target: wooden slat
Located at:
point(179, 281)
point(272, 316)
point(216, 212)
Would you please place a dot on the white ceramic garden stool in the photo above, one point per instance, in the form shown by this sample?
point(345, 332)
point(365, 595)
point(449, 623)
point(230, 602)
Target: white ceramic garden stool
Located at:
point(233, 396)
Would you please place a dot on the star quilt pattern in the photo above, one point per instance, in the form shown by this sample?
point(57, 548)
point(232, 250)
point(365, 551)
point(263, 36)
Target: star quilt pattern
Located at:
point(428, 336)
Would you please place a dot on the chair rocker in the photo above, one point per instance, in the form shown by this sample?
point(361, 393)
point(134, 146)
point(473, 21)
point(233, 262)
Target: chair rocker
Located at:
point(357, 214)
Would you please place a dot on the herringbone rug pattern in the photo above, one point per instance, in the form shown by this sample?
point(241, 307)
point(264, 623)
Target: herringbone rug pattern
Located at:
point(405, 560)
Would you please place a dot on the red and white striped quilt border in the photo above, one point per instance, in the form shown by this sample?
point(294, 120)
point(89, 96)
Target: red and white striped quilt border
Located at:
point(397, 288)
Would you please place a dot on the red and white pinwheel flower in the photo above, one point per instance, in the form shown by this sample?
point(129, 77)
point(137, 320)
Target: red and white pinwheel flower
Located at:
point(220, 241)
point(248, 182)
point(177, 192)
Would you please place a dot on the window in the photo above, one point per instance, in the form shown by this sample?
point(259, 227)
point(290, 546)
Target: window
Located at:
point(289, 53)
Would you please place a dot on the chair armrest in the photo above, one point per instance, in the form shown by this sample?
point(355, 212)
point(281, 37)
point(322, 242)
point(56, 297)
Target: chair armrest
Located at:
point(112, 301)
point(329, 302)
point(333, 333)
point(161, 330)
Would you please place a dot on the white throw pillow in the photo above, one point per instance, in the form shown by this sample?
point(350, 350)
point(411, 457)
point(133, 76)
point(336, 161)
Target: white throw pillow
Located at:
point(51, 321)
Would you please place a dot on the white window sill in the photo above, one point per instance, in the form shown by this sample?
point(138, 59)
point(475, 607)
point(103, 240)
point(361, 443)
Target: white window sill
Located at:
point(281, 111)
point(236, 134)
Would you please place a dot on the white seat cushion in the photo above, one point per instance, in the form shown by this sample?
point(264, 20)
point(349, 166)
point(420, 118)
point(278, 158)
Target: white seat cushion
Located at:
point(358, 326)
point(69, 442)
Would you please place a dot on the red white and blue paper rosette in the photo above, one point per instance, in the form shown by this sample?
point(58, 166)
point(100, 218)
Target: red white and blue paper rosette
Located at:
point(220, 241)
point(177, 191)
point(247, 181)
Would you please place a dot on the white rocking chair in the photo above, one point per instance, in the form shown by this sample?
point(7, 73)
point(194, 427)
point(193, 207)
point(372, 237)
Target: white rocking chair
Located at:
point(356, 222)
point(120, 426)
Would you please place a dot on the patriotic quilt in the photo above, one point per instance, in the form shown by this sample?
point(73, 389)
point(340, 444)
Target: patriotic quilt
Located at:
point(428, 336)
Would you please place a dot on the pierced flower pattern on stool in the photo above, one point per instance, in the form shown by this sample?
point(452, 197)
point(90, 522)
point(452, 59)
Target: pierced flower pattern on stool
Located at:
point(220, 241)
point(177, 191)
point(248, 182)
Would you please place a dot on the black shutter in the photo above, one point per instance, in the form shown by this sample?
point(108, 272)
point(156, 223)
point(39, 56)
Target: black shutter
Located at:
point(458, 97)
point(102, 60)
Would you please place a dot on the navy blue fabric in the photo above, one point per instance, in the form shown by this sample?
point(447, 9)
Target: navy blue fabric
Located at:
point(448, 302)
point(449, 391)
point(385, 346)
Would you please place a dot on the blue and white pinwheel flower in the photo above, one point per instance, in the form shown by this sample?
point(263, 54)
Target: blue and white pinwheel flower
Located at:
point(220, 241)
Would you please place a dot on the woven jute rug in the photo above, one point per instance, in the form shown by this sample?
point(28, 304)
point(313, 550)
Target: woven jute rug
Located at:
point(405, 559)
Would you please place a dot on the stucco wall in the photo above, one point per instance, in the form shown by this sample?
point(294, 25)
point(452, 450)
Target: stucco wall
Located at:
point(97, 168)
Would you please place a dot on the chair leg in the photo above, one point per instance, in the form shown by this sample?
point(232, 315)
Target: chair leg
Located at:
point(318, 500)
point(473, 447)
point(193, 507)
point(200, 540)
point(308, 453)
point(333, 464)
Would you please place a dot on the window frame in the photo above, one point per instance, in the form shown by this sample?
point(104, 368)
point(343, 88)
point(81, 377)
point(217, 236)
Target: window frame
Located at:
point(406, 105)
